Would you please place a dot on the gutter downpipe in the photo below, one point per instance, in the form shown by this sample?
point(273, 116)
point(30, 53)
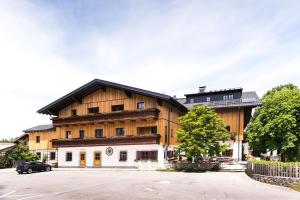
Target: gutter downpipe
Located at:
point(239, 124)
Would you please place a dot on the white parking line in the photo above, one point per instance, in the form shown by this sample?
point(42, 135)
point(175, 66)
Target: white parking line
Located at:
point(21, 196)
point(30, 197)
point(6, 194)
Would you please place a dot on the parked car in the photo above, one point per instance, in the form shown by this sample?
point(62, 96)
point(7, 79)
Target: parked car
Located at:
point(30, 167)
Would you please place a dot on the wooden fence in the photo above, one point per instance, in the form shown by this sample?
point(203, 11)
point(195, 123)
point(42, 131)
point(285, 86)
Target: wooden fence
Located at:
point(274, 169)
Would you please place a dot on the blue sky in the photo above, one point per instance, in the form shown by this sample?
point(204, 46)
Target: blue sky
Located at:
point(49, 48)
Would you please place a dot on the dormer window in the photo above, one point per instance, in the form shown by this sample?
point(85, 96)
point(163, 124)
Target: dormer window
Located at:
point(228, 97)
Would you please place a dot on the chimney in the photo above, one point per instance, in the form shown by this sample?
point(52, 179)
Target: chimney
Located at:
point(202, 89)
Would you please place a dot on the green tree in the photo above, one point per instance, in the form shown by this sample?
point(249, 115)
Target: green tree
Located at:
point(201, 133)
point(5, 162)
point(22, 152)
point(276, 124)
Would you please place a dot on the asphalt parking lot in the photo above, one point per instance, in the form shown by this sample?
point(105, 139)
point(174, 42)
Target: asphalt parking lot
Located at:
point(106, 184)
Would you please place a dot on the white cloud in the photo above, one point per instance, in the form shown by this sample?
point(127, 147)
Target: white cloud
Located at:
point(173, 48)
point(32, 70)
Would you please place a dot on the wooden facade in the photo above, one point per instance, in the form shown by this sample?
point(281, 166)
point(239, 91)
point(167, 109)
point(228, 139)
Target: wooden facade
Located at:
point(102, 114)
point(233, 118)
point(156, 114)
point(45, 138)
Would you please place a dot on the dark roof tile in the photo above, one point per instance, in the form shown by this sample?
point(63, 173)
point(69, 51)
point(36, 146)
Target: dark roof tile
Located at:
point(46, 127)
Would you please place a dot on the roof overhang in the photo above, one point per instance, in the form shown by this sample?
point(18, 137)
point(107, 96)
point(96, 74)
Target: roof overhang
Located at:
point(96, 84)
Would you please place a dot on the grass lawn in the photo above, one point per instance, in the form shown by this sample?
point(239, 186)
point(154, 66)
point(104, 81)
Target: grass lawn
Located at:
point(295, 187)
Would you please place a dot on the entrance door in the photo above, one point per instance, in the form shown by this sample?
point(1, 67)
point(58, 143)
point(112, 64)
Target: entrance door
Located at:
point(82, 159)
point(97, 159)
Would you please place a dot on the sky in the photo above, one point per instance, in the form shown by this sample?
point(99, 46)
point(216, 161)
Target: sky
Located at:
point(49, 48)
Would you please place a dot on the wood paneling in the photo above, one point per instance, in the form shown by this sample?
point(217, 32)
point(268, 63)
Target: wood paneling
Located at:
point(105, 99)
point(45, 140)
point(233, 117)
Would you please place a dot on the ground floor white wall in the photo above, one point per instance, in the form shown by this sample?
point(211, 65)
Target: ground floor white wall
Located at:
point(111, 160)
point(237, 150)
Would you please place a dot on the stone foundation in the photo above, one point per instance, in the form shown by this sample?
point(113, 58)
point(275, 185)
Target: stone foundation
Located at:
point(275, 180)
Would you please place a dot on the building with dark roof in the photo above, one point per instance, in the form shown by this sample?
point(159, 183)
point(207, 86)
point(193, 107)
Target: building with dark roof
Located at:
point(235, 108)
point(108, 124)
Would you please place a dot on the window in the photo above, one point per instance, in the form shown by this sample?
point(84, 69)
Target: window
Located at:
point(192, 100)
point(99, 133)
point(69, 156)
point(228, 97)
point(38, 155)
point(123, 155)
point(207, 99)
point(68, 134)
point(93, 110)
point(120, 131)
point(81, 134)
point(37, 139)
point(97, 156)
point(73, 112)
point(140, 105)
point(147, 130)
point(146, 155)
point(154, 129)
point(117, 108)
point(52, 155)
point(170, 154)
point(166, 134)
point(82, 156)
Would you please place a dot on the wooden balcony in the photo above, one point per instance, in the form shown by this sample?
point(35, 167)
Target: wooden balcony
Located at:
point(145, 114)
point(113, 141)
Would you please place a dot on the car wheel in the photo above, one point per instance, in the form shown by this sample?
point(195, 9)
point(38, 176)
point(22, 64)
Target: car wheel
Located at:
point(29, 171)
point(48, 169)
point(20, 172)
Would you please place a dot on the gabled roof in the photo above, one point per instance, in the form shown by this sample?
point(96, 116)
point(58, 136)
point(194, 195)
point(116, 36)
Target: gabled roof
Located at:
point(22, 137)
point(96, 84)
point(248, 99)
point(47, 127)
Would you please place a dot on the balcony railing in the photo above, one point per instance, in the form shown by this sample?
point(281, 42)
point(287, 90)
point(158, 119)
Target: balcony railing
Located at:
point(151, 113)
point(112, 141)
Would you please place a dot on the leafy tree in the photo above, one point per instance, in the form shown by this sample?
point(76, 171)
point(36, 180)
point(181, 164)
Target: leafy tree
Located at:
point(22, 152)
point(201, 133)
point(5, 162)
point(276, 124)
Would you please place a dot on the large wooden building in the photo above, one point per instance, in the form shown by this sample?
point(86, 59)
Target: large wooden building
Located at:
point(105, 124)
point(234, 107)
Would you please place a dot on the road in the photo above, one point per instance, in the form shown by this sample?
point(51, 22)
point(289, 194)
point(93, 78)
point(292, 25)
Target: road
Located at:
point(123, 185)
